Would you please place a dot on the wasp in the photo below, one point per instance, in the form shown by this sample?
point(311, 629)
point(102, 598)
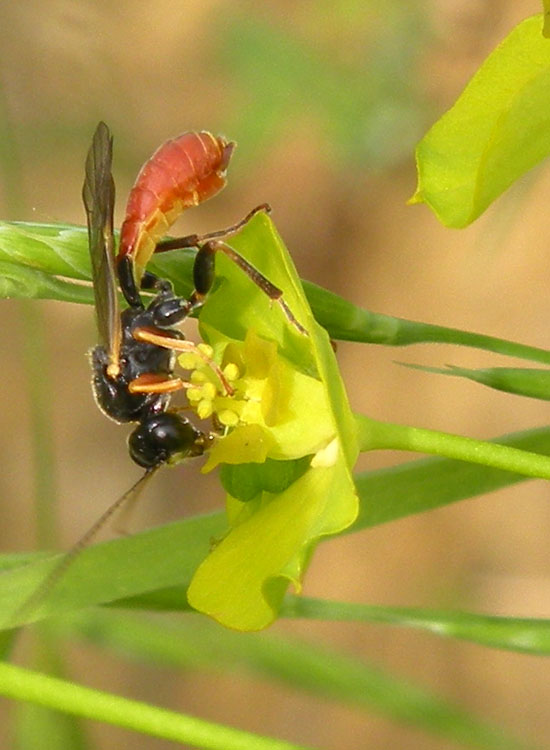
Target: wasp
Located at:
point(133, 364)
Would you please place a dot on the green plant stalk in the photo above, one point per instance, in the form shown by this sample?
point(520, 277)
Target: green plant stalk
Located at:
point(348, 322)
point(39, 387)
point(527, 635)
point(23, 684)
point(314, 669)
point(375, 435)
point(34, 355)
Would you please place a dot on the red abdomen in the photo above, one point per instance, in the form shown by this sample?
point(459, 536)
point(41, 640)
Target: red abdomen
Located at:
point(183, 172)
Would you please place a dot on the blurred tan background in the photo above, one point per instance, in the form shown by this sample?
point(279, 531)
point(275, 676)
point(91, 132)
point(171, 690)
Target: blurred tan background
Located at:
point(326, 100)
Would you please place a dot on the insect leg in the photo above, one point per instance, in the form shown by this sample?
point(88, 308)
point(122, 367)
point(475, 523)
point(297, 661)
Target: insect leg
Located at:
point(156, 383)
point(204, 274)
point(127, 282)
point(161, 338)
point(195, 240)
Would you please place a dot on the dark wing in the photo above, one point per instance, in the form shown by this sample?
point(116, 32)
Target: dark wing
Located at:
point(98, 194)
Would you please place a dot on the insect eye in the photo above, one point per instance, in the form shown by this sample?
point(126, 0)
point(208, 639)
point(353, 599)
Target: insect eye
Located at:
point(169, 312)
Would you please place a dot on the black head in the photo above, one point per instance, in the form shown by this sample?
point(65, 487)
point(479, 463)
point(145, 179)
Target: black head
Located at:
point(163, 437)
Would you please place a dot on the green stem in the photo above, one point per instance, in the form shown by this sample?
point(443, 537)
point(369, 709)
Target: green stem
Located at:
point(374, 435)
point(348, 322)
point(35, 356)
point(60, 695)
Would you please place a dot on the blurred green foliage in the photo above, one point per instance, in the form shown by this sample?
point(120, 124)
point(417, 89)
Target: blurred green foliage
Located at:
point(350, 86)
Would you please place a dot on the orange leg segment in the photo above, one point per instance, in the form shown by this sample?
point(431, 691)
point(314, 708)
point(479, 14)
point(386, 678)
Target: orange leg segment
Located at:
point(158, 338)
point(156, 383)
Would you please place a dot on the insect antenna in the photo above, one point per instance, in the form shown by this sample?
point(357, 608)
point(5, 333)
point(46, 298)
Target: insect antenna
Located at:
point(47, 584)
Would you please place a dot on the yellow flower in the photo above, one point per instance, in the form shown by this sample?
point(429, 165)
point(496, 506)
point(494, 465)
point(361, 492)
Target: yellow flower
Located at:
point(288, 440)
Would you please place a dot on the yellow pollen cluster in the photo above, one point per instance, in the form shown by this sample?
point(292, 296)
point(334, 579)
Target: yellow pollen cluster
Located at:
point(206, 393)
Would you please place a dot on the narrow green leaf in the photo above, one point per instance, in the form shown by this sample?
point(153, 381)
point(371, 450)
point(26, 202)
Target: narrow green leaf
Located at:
point(61, 250)
point(531, 382)
point(301, 665)
point(57, 248)
point(17, 281)
point(159, 558)
point(375, 435)
point(526, 635)
point(429, 483)
point(23, 684)
point(497, 130)
point(348, 322)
